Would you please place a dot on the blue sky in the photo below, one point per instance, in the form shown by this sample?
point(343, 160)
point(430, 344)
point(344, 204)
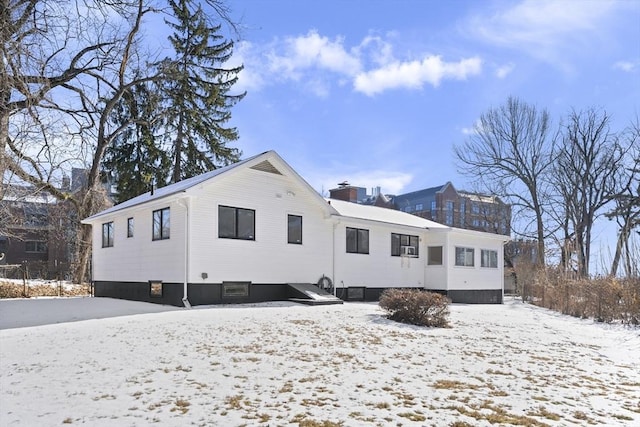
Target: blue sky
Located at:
point(378, 92)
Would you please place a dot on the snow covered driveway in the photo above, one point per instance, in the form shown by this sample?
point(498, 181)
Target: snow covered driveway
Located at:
point(283, 364)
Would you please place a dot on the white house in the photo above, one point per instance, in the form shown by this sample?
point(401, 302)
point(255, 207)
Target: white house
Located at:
point(256, 231)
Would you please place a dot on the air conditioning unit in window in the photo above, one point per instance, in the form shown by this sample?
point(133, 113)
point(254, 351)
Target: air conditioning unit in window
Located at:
point(409, 250)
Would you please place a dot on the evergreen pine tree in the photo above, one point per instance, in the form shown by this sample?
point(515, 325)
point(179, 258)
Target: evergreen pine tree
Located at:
point(197, 94)
point(135, 159)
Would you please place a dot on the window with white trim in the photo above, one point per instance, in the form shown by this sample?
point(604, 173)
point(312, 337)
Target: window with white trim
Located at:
point(464, 257)
point(129, 227)
point(488, 258)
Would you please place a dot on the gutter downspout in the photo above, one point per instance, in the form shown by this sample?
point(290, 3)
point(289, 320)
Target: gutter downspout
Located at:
point(333, 256)
point(186, 202)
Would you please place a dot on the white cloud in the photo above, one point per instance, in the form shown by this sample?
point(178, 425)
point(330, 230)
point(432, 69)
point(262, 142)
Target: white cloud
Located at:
point(317, 62)
point(627, 66)
point(543, 28)
point(472, 130)
point(312, 51)
point(414, 74)
point(505, 70)
point(249, 78)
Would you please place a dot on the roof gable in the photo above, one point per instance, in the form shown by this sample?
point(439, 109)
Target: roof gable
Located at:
point(268, 162)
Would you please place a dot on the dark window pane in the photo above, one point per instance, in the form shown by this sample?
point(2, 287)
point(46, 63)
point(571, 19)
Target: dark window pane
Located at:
point(166, 223)
point(226, 222)
point(157, 225)
point(363, 241)
point(294, 227)
point(246, 224)
point(352, 242)
point(395, 244)
point(435, 255)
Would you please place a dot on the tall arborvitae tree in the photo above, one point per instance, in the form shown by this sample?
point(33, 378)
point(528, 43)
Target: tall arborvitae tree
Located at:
point(136, 159)
point(197, 94)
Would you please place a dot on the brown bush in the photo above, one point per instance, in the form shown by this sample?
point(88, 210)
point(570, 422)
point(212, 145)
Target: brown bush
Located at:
point(416, 307)
point(605, 299)
point(50, 289)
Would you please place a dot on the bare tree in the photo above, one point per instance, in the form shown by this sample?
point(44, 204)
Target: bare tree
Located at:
point(585, 176)
point(65, 66)
point(626, 210)
point(510, 153)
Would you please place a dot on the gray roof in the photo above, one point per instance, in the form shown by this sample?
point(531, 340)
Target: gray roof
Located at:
point(427, 193)
point(171, 189)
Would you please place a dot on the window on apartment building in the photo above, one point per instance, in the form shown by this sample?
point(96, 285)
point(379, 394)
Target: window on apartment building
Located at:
point(294, 229)
point(488, 258)
point(433, 209)
point(419, 207)
point(475, 208)
point(448, 214)
point(463, 207)
point(404, 244)
point(35, 214)
point(464, 257)
point(129, 227)
point(107, 234)
point(35, 247)
point(161, 224)
point(357, 241)
point(434, 255)
point(236, 223)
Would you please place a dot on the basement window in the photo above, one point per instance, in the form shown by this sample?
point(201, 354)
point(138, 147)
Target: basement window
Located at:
point(155, 288)
point(355, 293)
point(235, 289)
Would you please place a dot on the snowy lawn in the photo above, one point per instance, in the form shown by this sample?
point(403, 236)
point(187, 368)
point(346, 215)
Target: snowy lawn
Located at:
point(283, 364)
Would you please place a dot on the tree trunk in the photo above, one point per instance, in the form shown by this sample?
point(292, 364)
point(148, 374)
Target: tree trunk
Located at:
point(83, 254)
point(616, 257)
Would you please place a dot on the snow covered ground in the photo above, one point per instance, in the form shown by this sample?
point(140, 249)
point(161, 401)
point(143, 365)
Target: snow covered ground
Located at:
point(283, 364)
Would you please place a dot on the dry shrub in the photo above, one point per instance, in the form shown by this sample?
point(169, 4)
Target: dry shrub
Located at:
point(605, 299)
point(19, 290)
point(416, 307)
